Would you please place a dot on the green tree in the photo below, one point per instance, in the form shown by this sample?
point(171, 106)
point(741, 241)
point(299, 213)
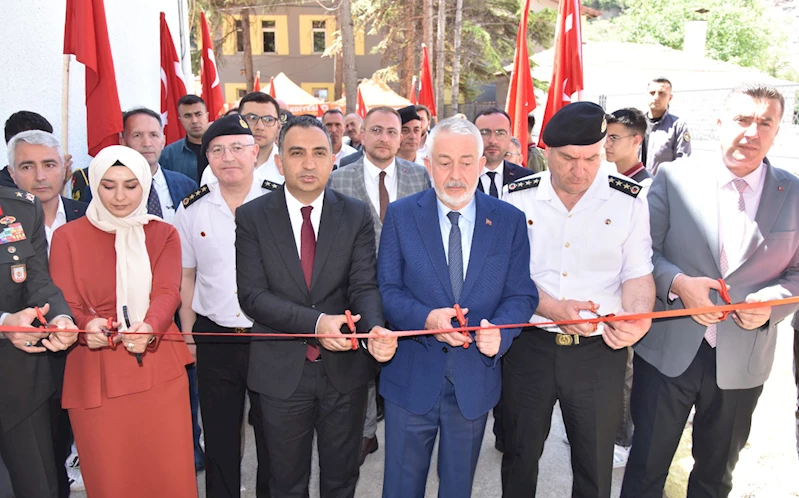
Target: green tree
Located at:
point(738, 31)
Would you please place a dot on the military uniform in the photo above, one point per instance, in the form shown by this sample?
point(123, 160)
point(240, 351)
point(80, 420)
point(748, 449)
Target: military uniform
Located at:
point(667, 139)
point(26, 379)
point(584, 253)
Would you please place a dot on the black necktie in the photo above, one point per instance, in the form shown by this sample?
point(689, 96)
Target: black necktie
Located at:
point(492, 188)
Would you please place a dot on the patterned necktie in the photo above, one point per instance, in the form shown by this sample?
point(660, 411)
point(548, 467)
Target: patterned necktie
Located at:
point(307, 255)
point(154, 203)
point(383, 195)
point(724, 265)
point(492, 188)
point(455, 255)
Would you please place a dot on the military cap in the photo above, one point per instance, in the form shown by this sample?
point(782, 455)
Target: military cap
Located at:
point(579, 123)
point(232, 124)
point(408, 114)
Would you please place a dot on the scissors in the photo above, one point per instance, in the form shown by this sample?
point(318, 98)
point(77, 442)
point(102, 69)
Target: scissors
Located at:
point(351, 325)
point(593, 309)
point(110, 332)
point(725, 296)
point(462, 321)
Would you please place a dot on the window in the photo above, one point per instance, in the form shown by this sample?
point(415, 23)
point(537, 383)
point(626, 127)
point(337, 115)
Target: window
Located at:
point(319, 34)
point(320, 93)
point(270, 37)
point(239, 37)
point(241, 92)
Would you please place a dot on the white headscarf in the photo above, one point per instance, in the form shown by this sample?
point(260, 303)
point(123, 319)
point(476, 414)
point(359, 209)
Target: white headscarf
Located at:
point(133, 275)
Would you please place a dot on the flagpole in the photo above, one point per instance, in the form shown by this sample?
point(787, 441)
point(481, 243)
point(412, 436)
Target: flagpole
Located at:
point(65, 119)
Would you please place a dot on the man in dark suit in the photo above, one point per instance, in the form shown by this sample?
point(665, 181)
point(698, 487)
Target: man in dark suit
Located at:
point(304, 255)
point(439, 248)
point(494, 125)
point(23, 121)
point(36, 164)
point(733, 218)
point(26, 378)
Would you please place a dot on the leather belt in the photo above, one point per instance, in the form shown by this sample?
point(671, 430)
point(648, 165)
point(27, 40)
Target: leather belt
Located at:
point(241, 330)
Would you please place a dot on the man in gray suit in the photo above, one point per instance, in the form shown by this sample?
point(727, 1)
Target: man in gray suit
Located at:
point(378, 178)
point(733, 218)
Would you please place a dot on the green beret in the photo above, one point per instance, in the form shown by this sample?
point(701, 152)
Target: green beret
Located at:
point(579, 123)
point(232, 124)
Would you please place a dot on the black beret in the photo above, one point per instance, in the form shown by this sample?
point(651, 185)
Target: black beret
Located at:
point(408, 114)
point(232, 124)
point(579, 123)
point(285, 115)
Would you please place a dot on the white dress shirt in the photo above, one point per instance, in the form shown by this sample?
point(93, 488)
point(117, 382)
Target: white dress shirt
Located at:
point(264, 171)
point(485, 180)
point(465, 223)
point(371, 178)
point(733, 224)
point(207, 230)
point(60, 220)
point(585, 254)
point(345, 151)
point(295, 216)
point(162, 189)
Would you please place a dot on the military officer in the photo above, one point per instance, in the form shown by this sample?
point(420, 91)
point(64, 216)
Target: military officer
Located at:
point(590, 254)
point(667, 136)
point(207, 228)
point(26, 381)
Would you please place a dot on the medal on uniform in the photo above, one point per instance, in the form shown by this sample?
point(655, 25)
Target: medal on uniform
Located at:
point(19, 273)
point(5, 220)
point(12, 233)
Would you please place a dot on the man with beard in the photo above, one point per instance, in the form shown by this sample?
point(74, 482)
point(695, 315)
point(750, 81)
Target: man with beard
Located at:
point(411, 135)
point(352, 126)
point(184, 156)
point(667, 136)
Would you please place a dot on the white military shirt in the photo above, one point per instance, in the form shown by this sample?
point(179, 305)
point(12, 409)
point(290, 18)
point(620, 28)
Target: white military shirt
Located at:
point(207, 229)
point(587, 253)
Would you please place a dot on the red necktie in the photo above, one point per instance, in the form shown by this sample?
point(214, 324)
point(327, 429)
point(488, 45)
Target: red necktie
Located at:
point(307, 254)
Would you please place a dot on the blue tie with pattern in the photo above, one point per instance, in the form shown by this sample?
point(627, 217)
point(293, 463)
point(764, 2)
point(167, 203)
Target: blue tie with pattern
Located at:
point(455, 256)
point(154, 203)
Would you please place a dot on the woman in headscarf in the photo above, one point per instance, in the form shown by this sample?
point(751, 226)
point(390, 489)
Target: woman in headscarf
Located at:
point(129, 405)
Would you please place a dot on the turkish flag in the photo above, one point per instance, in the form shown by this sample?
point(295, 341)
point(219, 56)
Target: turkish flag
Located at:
point(212, 90)
point(567, 72)
point(412, 97)
point(256, 86)
point(272, 91)
point(172, 86)
point(426, 94)
point(521, 99)
point(360, 106)
point(86, 36)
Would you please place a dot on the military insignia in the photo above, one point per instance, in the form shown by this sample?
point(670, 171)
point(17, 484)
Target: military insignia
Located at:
point(19, 273)
point(19, 194)
point(243, 123)
point(194, 196)
point(30, 197)
point(686, 136)
point(488, 222)
point(12, 233)
point(12, 250)
point(270, 185)
point(5, 220)
point(604, 126)
point(628, 187)
point(524, 184)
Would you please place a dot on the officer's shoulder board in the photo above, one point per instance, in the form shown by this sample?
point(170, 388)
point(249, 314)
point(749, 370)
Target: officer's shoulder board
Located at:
point(20, 195)
point(624, 185)
point(523, 184)
point(195, 196)
point(267, 185)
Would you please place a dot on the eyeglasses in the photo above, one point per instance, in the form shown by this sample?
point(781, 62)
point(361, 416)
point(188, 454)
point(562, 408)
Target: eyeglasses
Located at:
point(615, 138)
point(512, 154)
point(379, 130)
point(235, 149)
point(267, 120)
point(497, 133)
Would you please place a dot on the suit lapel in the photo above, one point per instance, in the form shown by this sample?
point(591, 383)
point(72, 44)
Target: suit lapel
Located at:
point(775, 191)
point(404, 187)
point(328, 230)
point(427, 221)
point(484, 226)
point(708, 214)
point(277, 218)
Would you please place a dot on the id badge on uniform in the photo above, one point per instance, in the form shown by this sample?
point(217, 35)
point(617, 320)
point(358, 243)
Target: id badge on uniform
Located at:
point(19, 273)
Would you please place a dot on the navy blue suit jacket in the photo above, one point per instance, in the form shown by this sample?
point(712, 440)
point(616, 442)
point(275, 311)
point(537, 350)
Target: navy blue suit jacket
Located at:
point(74, 209)
point(180, 186)
point(413, 276)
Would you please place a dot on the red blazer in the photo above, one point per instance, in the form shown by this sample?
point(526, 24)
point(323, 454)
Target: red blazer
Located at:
point(83, 265)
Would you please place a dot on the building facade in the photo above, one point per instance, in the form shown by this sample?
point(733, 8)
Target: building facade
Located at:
point(293, 40)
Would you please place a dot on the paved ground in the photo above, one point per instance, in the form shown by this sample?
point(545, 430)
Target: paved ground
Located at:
point(767, 469)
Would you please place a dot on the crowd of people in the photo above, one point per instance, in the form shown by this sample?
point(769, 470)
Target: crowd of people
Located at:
point(261, 224)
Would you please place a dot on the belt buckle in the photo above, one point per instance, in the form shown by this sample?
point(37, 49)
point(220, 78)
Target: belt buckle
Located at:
point(564, 340)
point(240, 330)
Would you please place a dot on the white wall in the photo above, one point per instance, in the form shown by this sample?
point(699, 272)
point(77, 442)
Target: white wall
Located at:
point(31, 61)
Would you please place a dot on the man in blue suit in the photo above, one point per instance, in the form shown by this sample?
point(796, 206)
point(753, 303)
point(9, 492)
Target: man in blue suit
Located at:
point(438, 248)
